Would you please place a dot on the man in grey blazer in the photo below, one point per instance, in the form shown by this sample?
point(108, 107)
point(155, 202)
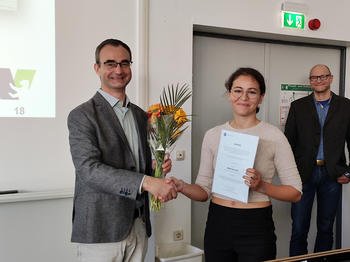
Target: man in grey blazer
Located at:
point(317, 128)
point(112, 159)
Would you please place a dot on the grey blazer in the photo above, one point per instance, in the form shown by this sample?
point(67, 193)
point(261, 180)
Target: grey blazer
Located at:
point(106, 184)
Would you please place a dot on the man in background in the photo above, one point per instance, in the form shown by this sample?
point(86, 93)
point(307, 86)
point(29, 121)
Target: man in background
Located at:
point(111, 155)
point(317, 128)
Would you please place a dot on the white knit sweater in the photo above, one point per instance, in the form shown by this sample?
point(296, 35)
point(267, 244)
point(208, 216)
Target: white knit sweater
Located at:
point(274, 154)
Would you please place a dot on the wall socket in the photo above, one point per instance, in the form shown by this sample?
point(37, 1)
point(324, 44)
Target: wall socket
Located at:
point(178, 235)
point(180, 155)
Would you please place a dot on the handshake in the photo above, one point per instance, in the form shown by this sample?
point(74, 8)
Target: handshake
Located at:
point(163, 189)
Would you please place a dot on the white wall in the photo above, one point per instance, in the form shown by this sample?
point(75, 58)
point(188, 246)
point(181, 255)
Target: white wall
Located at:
point(170, 53)
point(80, 27)
point(37, 228)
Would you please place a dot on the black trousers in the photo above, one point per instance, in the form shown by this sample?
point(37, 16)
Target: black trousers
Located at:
point(234, 234)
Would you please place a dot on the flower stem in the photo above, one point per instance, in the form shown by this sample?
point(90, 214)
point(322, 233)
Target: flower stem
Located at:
point(156, 204)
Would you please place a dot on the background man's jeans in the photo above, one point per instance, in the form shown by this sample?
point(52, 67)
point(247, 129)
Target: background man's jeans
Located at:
point(328, 195)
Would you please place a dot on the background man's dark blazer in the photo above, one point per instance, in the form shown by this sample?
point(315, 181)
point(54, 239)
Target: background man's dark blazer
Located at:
point(303, 131)
point(106, 183)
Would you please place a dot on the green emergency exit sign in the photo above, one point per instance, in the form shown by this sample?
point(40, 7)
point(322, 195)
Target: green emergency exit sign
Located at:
point(293, 20)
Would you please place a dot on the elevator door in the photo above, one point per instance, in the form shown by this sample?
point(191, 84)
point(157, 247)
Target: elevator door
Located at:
point(214, 59)
point(291, 65)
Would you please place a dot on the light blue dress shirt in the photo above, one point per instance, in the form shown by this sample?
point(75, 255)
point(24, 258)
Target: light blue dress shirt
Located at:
point(322, 111)
point(127, 122)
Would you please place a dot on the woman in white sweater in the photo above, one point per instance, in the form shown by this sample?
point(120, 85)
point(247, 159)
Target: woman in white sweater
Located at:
point(237, 231)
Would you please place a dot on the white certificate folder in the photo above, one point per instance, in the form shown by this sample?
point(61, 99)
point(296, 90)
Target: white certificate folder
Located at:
point(236, 153)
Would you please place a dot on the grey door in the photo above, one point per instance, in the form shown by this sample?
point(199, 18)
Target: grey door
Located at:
point(291, 65)
point(214, 59)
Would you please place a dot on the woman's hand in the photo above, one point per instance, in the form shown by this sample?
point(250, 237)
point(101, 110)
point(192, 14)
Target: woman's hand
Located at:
point(281, 192)
point(253, 179)
point(192, 191)
point(179, 183)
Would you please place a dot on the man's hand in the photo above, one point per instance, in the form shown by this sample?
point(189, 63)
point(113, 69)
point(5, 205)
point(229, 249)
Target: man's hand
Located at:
point(160, 188)
point(166, 165)
point(343, 179)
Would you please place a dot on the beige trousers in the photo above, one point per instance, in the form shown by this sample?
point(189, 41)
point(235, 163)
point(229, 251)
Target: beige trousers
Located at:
point(131, 249)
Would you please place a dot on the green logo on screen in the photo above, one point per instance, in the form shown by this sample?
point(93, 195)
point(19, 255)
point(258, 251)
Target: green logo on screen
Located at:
point(17, 87)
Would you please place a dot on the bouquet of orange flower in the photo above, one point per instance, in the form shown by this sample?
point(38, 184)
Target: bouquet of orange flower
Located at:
point(166, 125)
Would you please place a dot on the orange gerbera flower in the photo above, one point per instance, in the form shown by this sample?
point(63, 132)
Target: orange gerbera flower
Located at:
point(154, 108)
point(180, 117)
point(154, 112)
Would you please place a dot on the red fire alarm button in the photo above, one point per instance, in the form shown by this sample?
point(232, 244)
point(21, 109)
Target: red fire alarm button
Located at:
point(314, 24)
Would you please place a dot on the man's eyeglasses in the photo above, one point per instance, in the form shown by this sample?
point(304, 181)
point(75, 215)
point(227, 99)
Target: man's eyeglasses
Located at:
point(252, 94)
point(111, 64)
point(321, 77)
